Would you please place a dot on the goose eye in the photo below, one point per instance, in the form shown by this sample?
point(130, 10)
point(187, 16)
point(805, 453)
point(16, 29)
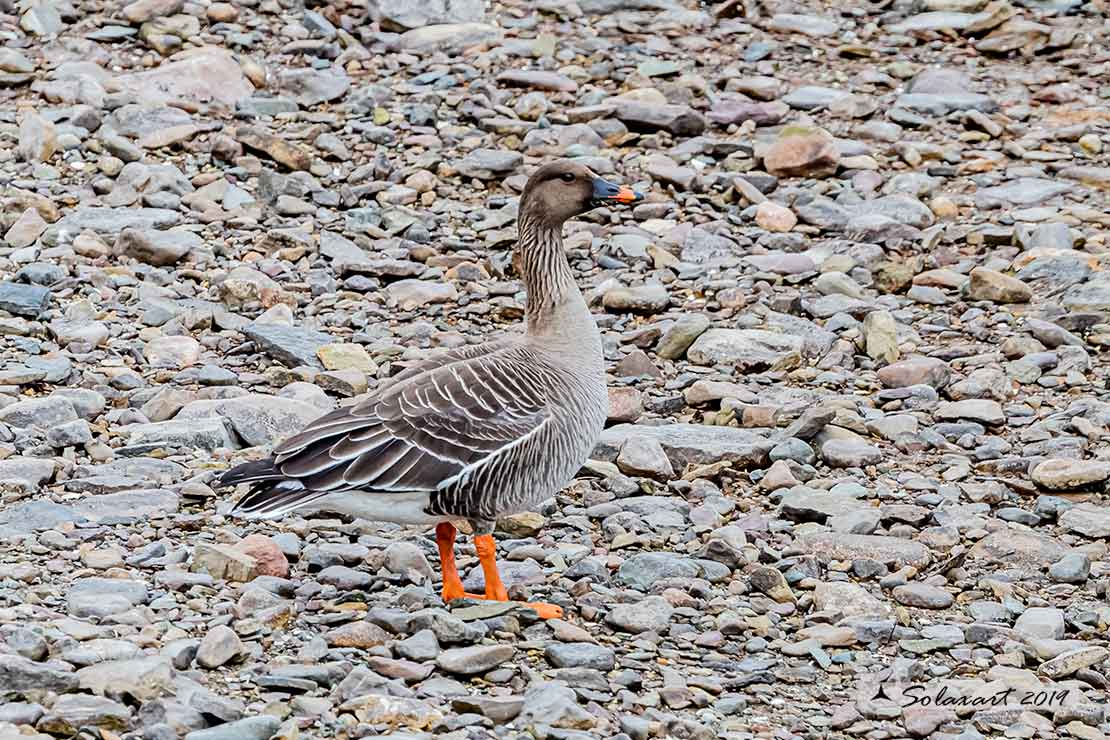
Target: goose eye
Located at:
point(567, 177)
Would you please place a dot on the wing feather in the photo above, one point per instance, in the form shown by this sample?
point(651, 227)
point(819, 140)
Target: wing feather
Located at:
point(418, 434)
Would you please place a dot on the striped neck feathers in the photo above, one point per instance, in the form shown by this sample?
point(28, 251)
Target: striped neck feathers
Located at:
point(546, 273)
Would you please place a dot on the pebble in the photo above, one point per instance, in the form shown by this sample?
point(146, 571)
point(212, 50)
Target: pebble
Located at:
point(219, 646)
point(468, 661)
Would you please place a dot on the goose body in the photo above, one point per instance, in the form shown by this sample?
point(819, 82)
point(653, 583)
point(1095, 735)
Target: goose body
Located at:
point(473, 433)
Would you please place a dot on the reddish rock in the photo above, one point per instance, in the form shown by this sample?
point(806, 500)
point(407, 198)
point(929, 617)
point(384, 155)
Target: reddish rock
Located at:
point(626, 404)
point(802, 152)
point(271, 560)
point(773, 217)
point(738, 111)
point(915, 371)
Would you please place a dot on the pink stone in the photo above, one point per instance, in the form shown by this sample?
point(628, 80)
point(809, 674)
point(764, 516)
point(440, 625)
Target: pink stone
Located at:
point(271, 560)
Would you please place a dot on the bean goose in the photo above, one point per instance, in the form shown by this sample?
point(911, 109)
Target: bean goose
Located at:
point(473, 433)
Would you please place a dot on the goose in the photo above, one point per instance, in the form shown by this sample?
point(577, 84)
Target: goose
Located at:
point(473, 433)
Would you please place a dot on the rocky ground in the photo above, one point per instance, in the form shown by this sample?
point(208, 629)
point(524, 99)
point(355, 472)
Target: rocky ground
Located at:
point(857, 339)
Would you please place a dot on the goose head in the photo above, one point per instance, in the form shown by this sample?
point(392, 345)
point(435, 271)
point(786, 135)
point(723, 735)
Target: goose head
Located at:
point(563, 189)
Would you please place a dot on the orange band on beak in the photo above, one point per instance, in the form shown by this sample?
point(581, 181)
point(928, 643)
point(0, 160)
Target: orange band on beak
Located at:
point(626, 195)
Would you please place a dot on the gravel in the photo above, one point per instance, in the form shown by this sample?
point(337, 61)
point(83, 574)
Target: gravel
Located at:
point(856, 336)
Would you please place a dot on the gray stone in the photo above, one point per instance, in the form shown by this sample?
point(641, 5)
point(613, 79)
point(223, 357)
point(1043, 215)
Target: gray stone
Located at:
point(310, 87)
point(470, 661)
point(262, 727)
point(642, 570)
point(293, 346)
point(99, 597)
point(258, 419)
point(644, 456)
point(108, 222)
point(18, 674)
point(549, 704)
point(73, 712)
point(137, 680)
point(1024, 191)
point(682, 333)
point(865, 547)
point(679, 120)
point(449, 38)
point(748, 350)
point(923, 596)
point(580, 655)
point(220, 645)
point(399, 15)
point(202, 434)
point(1088, 519)
point(651, 614)
point(1069, 662)
point(849, 453)
point(21, 299)
point(981, 410)
point(154, 247)
point(942, 105)
point(690, 443)
point(1041, 622)
point(848, 600)
point(1065, 474)
point(489, 164)
point(1072, 568)
point(38, 413)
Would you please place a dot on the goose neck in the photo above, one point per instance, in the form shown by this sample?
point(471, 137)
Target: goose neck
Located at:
point(546, 273)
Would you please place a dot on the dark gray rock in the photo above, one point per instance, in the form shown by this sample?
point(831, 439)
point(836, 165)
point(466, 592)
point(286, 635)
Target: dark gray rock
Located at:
point(293, 346)
point(21, 299)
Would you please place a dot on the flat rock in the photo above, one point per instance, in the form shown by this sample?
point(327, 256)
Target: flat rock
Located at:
point(976, 409)
point(679, 120)
point(1089, 520)
point(154, 247)
point(109, 222)
point(24, 300)
point(860, 546)
point(18, 674)
point(311, 87)
point(748, 350)
point(915, 371)
point(1065, 474)
point(538, 80)
point(687, 444)
point(290, 345)
point(205, 74)
point(258, 419)
point(802, 152)
point(849, 600)
point(449, 37)
point(1022, 548)
point(469, 661)
point(203, 434)
point(1024, 191)
point(642, 570)
point(651, 614)
point(399, 15)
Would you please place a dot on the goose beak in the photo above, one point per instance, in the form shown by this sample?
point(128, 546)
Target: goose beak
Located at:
point(607, 192)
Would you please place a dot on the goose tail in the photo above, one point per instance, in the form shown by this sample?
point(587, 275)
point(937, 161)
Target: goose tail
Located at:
point(271, 495)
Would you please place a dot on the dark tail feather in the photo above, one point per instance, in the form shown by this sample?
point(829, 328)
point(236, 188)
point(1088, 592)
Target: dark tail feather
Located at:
point(250, 472)
point(271, 495)
point(271, 500)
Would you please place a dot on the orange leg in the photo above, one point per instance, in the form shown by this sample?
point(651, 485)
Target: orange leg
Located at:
point(487, 556)
point(452, 584)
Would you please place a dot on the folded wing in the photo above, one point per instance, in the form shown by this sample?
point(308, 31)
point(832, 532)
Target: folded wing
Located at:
point(419, 434)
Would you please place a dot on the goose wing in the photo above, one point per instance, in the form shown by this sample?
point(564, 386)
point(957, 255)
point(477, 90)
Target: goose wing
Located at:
point(417, 435)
